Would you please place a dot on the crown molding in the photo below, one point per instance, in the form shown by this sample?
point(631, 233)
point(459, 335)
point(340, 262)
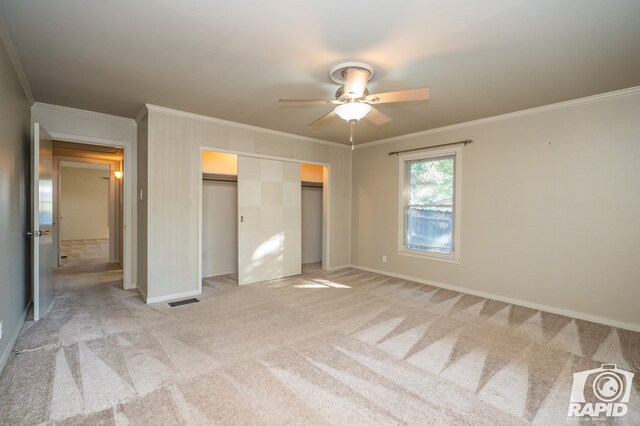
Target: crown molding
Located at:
point(522, 113)
point(237, 125)
point(15, 60)
point(84, 112)
point(144, 111)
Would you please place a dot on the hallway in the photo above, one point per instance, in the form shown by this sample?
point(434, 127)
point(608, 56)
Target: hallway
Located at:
point(84, 262)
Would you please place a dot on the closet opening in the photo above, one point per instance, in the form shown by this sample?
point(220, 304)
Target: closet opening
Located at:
point(244, 234)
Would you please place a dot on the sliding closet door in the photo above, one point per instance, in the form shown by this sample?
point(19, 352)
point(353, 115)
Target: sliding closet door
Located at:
point(269, 219)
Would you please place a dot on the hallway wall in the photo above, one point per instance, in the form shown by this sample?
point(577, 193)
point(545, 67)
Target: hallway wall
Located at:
point(84, 203)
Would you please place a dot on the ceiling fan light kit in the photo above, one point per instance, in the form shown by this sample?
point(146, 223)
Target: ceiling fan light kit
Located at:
point(353, 99)
point(352, 111)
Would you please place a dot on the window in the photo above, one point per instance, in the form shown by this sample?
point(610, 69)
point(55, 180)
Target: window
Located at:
point(429, 219)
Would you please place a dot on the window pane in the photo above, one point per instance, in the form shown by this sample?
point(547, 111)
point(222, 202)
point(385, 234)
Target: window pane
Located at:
point(429, 209)
point(430, 229)
point(431, 182)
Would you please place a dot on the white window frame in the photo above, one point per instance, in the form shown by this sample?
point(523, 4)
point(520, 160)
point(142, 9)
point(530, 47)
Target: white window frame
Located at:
point(403, 250)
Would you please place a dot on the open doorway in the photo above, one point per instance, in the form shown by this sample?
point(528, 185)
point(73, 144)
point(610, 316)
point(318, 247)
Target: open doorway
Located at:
point(88, 210)
point(220, 216)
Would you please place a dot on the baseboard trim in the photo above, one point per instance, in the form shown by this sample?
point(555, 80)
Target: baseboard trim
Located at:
point(217, 274)
point(537, 306)
point(335, 268)
point(142, 293)
point(14, 338)
point(172, 296)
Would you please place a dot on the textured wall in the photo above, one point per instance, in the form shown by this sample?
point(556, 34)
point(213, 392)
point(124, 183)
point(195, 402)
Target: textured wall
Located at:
point(174, 141)
point(550, 208)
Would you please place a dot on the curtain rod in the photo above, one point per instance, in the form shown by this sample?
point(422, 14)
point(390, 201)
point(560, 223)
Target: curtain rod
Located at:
point(465, 142)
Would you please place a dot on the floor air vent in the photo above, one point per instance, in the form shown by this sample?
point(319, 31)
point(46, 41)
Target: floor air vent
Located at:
point(183, 302)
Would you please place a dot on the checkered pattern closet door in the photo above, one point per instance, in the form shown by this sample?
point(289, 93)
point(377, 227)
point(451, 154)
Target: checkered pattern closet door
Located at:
point(269, 219)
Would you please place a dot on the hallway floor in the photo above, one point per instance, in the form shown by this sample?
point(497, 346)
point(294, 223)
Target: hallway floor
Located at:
point(347, 347)
point(85, 262)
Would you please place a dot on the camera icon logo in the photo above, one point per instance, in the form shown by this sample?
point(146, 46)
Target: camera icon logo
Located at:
point(600, 391)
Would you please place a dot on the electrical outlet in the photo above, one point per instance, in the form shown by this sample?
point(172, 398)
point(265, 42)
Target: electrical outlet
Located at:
point(384, 258)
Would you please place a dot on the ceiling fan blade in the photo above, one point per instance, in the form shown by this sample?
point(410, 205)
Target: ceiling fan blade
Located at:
point(328, 116)
point(313, 101)
point(421, 94)
point(376, 117)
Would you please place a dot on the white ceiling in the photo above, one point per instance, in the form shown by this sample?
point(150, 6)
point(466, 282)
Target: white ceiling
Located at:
point(234, 59)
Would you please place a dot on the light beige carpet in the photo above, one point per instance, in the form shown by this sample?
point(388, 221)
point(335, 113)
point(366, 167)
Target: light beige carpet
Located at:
point(348, 347)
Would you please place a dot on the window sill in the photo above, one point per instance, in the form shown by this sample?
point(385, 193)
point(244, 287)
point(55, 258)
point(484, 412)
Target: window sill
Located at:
point(429, 256)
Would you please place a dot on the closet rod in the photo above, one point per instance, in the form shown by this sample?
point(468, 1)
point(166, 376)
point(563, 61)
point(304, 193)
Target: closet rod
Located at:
point(212, 177)
point(465, 142)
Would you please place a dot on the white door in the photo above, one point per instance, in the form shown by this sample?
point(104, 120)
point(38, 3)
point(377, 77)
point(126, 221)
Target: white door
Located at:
point(42, 251)
point(269, 219)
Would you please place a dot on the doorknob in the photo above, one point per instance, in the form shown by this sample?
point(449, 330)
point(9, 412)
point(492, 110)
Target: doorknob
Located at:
point(38, 233)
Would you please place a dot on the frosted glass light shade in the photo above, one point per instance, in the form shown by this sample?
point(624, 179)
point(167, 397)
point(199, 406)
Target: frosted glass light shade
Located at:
point(352, 110)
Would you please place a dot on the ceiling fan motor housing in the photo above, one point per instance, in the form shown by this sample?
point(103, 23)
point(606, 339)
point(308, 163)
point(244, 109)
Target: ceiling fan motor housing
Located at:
point(343, 97)
point(354, 77)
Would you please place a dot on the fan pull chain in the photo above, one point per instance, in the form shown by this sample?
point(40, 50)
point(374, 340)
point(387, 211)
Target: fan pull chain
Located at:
point(351, 131)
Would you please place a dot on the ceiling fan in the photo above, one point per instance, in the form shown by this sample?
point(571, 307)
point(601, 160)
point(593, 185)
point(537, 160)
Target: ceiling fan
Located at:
point(354, 101)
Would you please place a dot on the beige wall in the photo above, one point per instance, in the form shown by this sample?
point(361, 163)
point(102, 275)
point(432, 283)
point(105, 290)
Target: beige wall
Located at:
point(14, 151)
point(84, 203)
point(172, 197)
point(550, 215)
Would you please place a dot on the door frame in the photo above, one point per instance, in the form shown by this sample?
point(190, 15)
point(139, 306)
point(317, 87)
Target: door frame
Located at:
point(326, 190)
point(129, 224)
point(112, 211)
